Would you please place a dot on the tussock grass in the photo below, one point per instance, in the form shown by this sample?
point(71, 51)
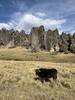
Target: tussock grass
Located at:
point(17, 81)
point(65, 84)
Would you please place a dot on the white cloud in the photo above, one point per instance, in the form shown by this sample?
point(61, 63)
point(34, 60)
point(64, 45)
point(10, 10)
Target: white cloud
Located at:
point(4, 25)
point(41, 14)
point(27, 21)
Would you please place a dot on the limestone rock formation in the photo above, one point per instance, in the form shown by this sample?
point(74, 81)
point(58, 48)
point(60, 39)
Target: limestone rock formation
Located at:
point(52, 40)
point(72, 46)
point(64, 44)
point(10, 44)
point(37, 38)
point(40, 39)
point(11, 38)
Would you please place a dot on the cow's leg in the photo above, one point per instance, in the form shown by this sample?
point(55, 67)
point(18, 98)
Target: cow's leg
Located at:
point(47, 80)
point(42, 80)
point(55, 77)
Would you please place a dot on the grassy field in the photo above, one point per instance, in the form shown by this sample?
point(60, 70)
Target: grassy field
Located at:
point(21, 54)
point(17, 73)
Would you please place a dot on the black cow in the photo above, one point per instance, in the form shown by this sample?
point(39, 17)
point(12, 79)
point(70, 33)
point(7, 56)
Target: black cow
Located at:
point(44, 74)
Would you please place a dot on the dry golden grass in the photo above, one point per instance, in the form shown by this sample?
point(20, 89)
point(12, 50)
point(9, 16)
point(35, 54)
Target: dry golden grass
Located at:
point(17, 77)
point(21, 54)
point(17, 81)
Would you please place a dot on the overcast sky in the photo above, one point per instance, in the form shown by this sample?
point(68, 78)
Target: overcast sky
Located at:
point(24, 14)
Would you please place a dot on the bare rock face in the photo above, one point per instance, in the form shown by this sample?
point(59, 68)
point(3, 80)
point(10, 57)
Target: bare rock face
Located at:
point(4, 37)
point(64, 42)
point(72, 46)
point(45, 40)
point(40, 39)
point(52, 40)
point(10, 44)
point(49, 39)
point(11, 38)
point(37, 37)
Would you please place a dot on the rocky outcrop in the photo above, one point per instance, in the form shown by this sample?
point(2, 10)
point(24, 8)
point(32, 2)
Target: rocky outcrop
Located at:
point(11, 38)
point(37, 37)
point(64, 42)
point(72, 46)
point(40, 39)
point(10, 44)
point(52, 40)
